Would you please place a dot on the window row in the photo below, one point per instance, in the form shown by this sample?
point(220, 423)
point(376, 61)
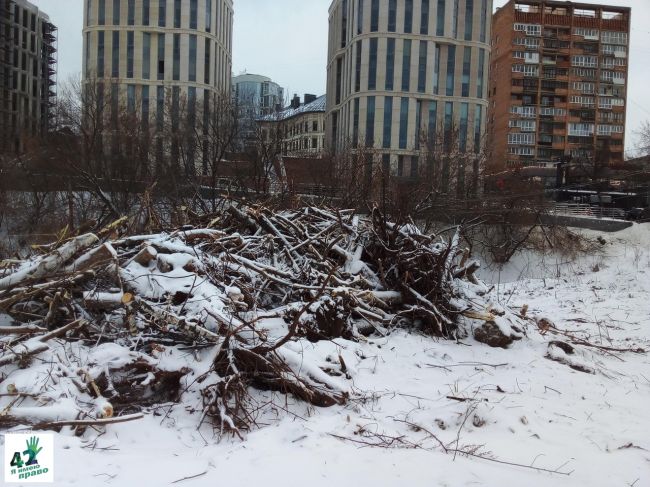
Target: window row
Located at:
point(529, 29)
point(521, 139)
point(424, 17)
point(421, 68)
point(433, 123)
point(116, 59)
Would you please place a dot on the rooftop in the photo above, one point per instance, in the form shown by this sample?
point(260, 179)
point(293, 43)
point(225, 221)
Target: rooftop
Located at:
point(318, 105)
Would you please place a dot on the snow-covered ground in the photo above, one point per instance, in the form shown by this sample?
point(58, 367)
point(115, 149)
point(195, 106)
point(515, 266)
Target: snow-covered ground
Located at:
point(512, 409)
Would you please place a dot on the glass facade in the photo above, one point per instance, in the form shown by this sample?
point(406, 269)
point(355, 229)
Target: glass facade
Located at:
point(481, 73)
point(192, 60)
point(422, 67)
point(374, 16)
point(131, 12)
point(355, 123)
point(359, 16)
point(370, 122)
point(392, 15)
point(146, 55)
point(115, 66)
point(357, 75)
point(100, 54)
point(467, 67)
point(424, 18)
point(462, 127)
point(208, 15)
point(403, 123)
point(478, 121)
point(433, 122)
point(406, 65)
point(176, 58)
point(162, 13)
point(451, 70)
point(116, 12)
point(440, 18)
point(177, 14)
point(161, 56)
point(469, 19)
point(130, 47)
point(484, 15)
point(372, 71)
point(388, 122)
point(390, 63)
point(194, 14)
point(146, 8)
point(408, 16)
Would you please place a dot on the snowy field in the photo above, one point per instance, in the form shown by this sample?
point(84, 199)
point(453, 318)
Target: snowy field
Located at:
point(518, 417)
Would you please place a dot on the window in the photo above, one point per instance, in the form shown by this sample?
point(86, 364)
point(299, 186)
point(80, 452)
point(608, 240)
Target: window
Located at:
point(372, 69)
point(588, 88)
point(374, 16)
point(192, 61)
point(483, 21)
point(408, 16)
point(422, 67)
point(614, 38)
point(478, 121)
point(522, 151)
point(100, 54)
point(339, 68)
point(388, 121)
point(131, 12)
point(449, 124)
point(451, 70)
point(130, 46)
point(115, 68)
point(406, 66)
point(436, 71)
point(463, 127)
point(208, 15)
point(116, 12)
point(433, 120)
point(145, 12)
point(101, 14)
point(160, 106)
point(481, 73)
point(145, 105)
point(528, 42)
point(527, 69)
point(359, 16)
point(392, 15)
point(355, 123)
point(523, 125)
point(424, 18)
point(454, 21)
point(344, 22)
point(370, 122)
point(177, 57)
point(146, 55)
point(390, 64)
point(585, 61)
point(161, 56)
point(467, 66)
point(521, 139)
point(88, 9)
point(194, 13)
point(581, 129)
point(590, 34)
point(162, 13)
point(614, 50)
point(469, 19)
point(357, 78)
point(177, 14)
point(529, 29)
point(206, 62)
point(440, 23)
point(130, 98)
point(610, 62)
point(583, 100)
point(403, 123)
point(526, 112)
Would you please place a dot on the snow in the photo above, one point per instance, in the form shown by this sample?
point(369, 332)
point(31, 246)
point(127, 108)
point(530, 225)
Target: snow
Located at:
point(521, 407)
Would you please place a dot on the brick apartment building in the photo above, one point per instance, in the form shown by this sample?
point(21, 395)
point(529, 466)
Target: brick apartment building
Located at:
point(558, 84)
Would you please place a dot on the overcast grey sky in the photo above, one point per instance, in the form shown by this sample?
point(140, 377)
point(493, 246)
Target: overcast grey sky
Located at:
point(287, 41)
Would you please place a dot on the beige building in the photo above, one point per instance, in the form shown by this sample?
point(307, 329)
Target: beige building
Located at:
point(149, 50)
point(404, 74)
point(302, 127)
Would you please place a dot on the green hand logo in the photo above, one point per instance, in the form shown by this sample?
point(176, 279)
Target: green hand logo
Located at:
point(32, 450)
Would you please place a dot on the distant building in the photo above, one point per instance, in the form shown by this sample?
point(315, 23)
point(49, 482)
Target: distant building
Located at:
point(256, 96)
point(558, 84)
point(301, 126)
point(401, 72)
point(27, 72)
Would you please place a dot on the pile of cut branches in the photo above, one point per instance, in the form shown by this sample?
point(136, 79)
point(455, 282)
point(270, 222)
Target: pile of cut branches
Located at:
point(94, 326)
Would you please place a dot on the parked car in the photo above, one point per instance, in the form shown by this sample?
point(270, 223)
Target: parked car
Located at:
point(638, 215)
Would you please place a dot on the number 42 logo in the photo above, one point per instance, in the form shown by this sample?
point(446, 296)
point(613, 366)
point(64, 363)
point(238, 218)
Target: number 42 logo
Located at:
point(31, 453)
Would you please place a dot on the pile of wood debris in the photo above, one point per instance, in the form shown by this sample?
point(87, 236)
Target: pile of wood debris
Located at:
point(86, 322)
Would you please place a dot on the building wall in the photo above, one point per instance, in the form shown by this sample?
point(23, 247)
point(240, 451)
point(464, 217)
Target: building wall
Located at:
point(202, 60)
point(558, 83)
point(27, 72)
point(440, 88)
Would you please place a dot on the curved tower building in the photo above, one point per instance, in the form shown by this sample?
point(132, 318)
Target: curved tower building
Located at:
point(404, 73)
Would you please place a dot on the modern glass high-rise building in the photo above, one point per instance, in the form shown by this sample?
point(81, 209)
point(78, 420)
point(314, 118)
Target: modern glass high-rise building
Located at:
point(403, 75)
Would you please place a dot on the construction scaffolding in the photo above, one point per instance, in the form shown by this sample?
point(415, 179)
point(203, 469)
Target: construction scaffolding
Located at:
point(48, 69)
point(6, 75)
